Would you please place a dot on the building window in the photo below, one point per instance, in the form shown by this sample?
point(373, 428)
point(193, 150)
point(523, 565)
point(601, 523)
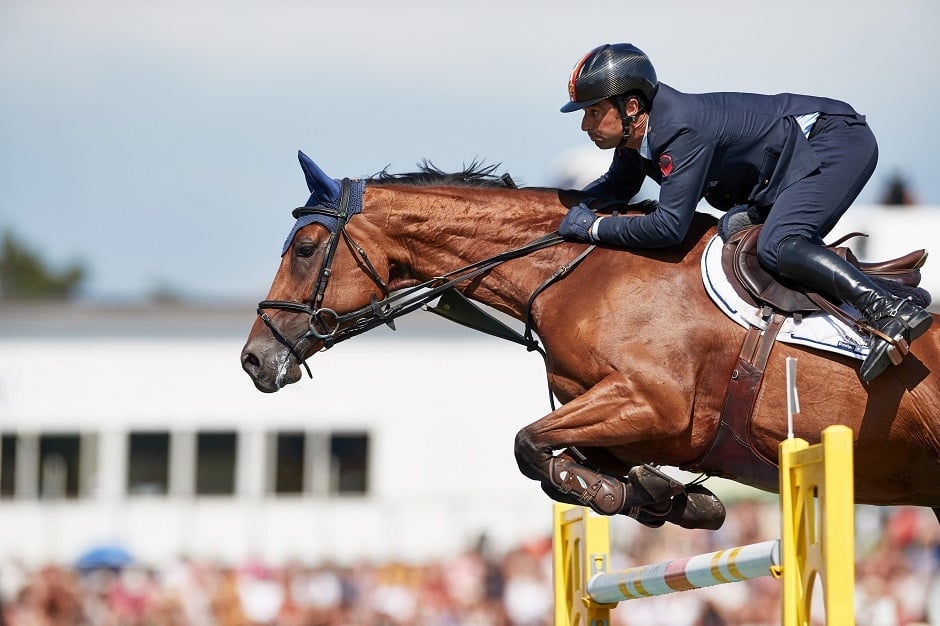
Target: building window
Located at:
point(289, 463)
point(7, 466)
point(148, 463)
point(349, 454)
point(59, 466)
point(215, 463)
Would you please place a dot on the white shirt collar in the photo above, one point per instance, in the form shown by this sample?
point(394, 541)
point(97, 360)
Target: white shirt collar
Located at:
point(644, 143)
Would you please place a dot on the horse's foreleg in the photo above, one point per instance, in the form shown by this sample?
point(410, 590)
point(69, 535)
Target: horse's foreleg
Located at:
point(587, 420)
point(645, 494)
point(614, 412)
point(573, 482)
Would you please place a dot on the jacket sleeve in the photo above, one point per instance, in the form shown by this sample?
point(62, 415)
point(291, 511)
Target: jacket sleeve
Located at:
point(684, 163)
point(622, 181)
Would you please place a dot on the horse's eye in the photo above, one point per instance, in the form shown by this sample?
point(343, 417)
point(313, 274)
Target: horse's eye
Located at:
point(306, 250)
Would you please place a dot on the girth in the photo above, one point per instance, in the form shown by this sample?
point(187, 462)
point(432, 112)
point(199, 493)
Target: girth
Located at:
point(732, 454)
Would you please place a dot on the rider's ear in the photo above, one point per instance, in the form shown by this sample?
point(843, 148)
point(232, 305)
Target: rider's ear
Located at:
point(634, 107)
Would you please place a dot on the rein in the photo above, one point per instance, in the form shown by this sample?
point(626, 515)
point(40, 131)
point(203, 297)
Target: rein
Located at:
point(330, 327)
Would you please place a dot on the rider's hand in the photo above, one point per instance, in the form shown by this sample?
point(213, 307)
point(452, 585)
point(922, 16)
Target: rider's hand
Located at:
point(577, 223)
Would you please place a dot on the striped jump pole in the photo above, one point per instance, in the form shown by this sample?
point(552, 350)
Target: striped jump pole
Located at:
point(704, 570)
point(816, 544)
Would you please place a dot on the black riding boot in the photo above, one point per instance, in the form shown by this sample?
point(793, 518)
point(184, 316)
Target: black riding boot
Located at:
point(899, 321)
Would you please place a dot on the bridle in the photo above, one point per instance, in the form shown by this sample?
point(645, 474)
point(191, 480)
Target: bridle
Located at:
point(322, 323)
point(328, 326)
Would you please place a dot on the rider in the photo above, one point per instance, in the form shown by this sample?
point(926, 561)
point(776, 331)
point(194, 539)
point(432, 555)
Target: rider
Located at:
point(794, 162)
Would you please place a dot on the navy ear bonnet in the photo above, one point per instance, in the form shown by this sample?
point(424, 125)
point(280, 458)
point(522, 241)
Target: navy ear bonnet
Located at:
point(324, 192)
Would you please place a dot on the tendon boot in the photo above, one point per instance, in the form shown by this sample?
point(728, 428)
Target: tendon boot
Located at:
point(610, 495)
point(893, 323)
point(696, 508)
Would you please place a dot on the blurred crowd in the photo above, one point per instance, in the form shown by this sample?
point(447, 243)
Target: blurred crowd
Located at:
point(897, 584)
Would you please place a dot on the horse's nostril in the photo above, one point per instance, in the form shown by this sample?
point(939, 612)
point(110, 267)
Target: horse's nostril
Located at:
point(250, 362)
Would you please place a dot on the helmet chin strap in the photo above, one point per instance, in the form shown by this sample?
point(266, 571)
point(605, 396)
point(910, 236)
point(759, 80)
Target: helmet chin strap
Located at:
point(626, 120)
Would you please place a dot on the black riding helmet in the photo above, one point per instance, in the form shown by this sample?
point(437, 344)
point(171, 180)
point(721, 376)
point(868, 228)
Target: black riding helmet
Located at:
point(610, 70)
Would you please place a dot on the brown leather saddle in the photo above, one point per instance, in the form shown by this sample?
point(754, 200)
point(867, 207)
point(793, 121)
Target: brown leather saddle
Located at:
point(758, 287)
point(777, 301)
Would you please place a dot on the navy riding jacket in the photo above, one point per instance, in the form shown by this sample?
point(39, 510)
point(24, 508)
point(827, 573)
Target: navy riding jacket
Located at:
point(728, 148)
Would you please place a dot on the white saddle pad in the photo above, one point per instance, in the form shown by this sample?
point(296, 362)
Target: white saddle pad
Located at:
point(818, 330)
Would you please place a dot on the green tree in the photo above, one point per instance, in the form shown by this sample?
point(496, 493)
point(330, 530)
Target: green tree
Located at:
point(24, 275)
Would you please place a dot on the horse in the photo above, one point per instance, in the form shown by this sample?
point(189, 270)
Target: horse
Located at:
point(635, 351)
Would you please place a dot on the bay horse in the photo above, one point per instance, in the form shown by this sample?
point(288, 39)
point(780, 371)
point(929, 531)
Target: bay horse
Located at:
point(634, 349)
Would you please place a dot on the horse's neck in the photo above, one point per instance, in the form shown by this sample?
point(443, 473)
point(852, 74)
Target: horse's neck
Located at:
point(442, 229)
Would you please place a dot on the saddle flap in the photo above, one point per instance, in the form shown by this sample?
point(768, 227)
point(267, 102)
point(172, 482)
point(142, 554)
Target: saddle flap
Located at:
point(753, 283)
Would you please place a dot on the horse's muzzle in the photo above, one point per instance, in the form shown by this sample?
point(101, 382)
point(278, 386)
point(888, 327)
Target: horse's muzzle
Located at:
point(269, 369)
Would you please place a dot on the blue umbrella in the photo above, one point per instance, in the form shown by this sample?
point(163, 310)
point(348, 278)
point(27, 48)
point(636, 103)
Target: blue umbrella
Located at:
point(104, 557)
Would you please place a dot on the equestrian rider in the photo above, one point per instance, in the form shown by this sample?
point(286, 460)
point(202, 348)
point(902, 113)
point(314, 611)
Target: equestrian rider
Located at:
point(794, 162)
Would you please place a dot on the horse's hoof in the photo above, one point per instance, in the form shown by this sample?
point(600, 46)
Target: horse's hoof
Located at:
point(696, 508)
point(647, 520)
point(651, 486)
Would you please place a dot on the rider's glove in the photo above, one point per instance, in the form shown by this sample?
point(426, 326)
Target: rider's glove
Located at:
point(577, 223)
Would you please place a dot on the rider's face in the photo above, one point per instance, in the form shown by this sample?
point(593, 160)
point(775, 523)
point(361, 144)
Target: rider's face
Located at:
point(603, 125)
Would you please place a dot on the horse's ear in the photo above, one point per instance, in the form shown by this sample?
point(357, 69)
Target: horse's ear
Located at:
point(322, 187)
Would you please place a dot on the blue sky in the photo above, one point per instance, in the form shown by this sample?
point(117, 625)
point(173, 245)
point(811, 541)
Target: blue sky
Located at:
point(156, 141)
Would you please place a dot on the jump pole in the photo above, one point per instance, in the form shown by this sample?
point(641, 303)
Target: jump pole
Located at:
point(817, 542)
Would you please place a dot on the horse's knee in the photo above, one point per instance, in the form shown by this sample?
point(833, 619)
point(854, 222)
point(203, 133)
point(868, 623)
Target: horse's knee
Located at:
point(530, 457)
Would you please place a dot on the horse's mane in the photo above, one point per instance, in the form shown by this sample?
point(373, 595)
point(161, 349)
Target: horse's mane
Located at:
point(477, 174)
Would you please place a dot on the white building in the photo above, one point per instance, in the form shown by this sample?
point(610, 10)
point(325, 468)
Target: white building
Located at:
point(138, 427)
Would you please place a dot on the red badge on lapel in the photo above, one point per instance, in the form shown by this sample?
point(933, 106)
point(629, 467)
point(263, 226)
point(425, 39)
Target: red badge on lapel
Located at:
point(665, 164)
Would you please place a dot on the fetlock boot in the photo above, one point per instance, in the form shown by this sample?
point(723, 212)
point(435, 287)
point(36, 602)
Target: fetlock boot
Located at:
point(610, 495)
point(894, 323)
